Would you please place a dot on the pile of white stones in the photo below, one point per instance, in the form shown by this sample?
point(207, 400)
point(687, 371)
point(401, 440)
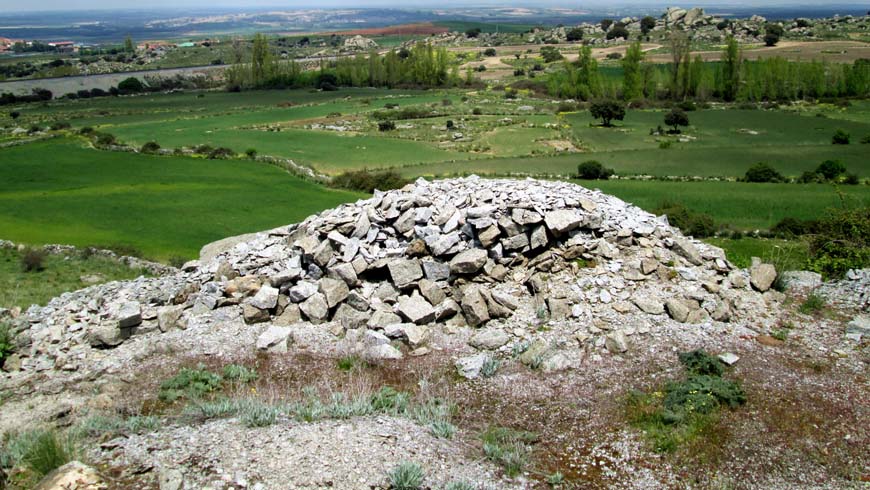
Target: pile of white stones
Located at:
point(461, 252)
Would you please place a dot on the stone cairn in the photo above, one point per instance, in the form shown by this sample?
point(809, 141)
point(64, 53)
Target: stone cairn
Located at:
point(456, 252)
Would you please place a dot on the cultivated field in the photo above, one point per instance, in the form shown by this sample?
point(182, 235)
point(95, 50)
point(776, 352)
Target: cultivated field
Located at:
point(89, 196)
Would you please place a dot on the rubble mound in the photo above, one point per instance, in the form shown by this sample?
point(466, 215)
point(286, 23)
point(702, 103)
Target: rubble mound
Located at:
point(500, 256)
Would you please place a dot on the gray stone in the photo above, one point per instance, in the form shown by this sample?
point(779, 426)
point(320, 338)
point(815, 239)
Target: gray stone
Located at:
point(129, 314)
point(302, 291)
point(315, 308)
point(470, 366)
point(489, 236)
point(349, 317)
point(265, 299)
point(859, 325)
point(404, 272)
point(687, 249)
point(515, 242)
point(444, 243)
point(169, 317)
point(538, 238)
point(648, 305)
point(252, 314)
point(616, 342)
point(386, 292)
point(416, 309)
point(436, 271)
point(107, 335)
point(344, 271)
point(324, 253)
point(431, 291)
point(474, 306)
point(535, 354)
point(334, 290)
point(274, 339)
point(560, 308)
point(291, 315)
point(761, 276)
point(729, 358)
point(490, 338)
point(468, 262)
point(414, 335)
point(678, 310)
point(562, 221)
point(381, 319)
point(525, 216)
point(384, 352)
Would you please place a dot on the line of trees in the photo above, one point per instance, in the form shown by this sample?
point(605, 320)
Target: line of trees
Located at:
point(423, 66)
point(730, 79)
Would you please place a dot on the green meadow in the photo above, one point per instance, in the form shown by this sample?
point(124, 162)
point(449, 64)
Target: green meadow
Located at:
point(61, 192)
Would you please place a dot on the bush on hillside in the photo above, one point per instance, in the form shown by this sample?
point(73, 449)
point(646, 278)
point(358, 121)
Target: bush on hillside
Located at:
point(840, 138)
point(489, 52)
point(607, 111)
point(32, 260)
point(689, 222)
point(593, 170)
point(762, 172)
point(841, 242)
point(150, 147)
point(367, 181)
point(386, 126)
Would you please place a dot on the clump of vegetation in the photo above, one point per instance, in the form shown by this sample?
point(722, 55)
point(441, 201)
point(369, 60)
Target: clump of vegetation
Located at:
point(150, 147)
point(841, 138)
point(683, 409)
point(551, 54)
point(814, 303)
point(367, 181)
point(692, 223)
point(385, 126)
point(406, 476)
point(841, 242)
point(593, 170)
point(827, 171)
point(36, 453)
point(33, 260)
point(189, 383)
point(762, 172)
point(509, 448)
point(607, 111)
point(459, 485)
point(221, 153)
point(7, 345)
point(241, 374)
point(676, 118)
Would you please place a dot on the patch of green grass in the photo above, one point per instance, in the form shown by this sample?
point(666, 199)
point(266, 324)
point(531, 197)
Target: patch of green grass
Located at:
point(189, 383)
point(59, 274)
point(164, 206)
point(509, 448)
point(684, 409)
point(814, 303)
point(37, 452)
point(241, 374)
point(785, 254)
point(460, 485)
point(348, 363)
point(406, 476)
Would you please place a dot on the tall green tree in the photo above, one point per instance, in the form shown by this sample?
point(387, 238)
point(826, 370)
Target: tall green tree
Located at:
point(679, 44)
point(261, 60)
point(633, 79)
point(729, 79)
point(128, 45)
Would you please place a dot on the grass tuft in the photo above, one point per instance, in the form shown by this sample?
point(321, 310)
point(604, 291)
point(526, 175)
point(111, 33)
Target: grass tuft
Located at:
point(406, 476)
point(814, 303)
point(508, 448)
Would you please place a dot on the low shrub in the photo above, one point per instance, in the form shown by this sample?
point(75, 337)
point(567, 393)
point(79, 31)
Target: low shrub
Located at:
point(59, 125)
point(840, 138)
point(221, 153)
point(489, 52)
point(38, 452)
point(7, 342)
point(762, 172)
point(150, 147)
point(683, 409)
point(841, 242)
point(367, 181)
point(593, 170)
point(814, 303)
point(692, 223)
point(384, 126)
point(33, 260)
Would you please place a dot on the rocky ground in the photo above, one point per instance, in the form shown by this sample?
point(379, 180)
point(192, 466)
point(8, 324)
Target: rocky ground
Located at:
point(525, 304)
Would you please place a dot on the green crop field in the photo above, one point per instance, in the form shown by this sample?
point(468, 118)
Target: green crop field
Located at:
point(60, 192)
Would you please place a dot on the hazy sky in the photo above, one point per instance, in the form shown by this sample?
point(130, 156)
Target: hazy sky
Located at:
point(19, 5)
